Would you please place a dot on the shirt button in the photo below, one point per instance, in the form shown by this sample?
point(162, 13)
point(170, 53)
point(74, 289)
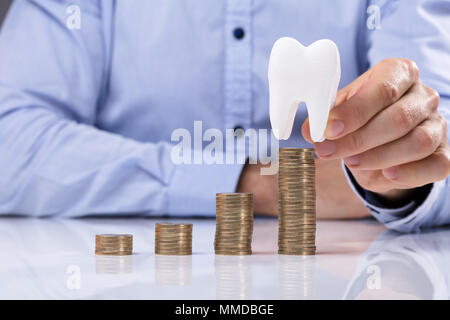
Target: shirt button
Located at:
point(238, 33)
point(238, 131)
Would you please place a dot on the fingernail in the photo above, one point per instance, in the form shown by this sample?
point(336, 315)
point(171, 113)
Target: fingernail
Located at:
point(334, 128)
point(325, 148)
point(390, 173)
point(353, 160)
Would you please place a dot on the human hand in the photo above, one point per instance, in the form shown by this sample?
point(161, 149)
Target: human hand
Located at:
point(387, 129)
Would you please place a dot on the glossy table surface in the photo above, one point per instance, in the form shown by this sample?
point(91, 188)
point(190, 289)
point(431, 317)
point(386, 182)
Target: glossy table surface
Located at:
point(54, 259)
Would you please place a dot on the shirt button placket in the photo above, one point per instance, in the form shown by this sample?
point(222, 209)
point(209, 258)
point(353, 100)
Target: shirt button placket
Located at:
point(238, 59)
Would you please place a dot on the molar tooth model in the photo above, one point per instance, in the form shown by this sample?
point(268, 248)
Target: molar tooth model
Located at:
point(302, 74)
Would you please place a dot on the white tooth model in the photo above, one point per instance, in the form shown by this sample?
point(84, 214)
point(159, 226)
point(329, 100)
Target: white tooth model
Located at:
point(302, 74)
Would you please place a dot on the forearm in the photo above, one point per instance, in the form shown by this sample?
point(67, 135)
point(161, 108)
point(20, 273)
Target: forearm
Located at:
point(54, 166)
point(59, 167)
point(335, 198)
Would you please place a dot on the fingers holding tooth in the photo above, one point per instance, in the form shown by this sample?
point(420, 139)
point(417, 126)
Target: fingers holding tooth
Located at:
point(417, 145)
point(389, 125)
point(383, 85)
point(387, 129)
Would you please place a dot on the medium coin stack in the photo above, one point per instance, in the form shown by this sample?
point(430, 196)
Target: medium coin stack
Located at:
point(173, 239)
point(114, 244)
point(297, 202)
point(234, 223)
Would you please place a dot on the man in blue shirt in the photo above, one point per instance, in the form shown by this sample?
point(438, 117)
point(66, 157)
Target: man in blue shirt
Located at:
point(91, 91)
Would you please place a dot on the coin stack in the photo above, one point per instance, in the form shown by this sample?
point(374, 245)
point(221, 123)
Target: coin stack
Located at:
point(234, 223)
point(114, 244)
point(297, 202)
point(173, 239)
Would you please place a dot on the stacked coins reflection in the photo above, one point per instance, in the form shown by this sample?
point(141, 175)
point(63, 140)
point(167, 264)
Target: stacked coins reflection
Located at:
point(233, 277)
point(113, 264)
point(114, 244)
point(173, 270)
point(297, 276)
point(234, 223)
point(173, 239)
point(297, 202)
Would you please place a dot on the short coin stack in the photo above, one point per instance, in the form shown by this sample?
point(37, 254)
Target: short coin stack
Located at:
point(297, 202)
point(173, 239)
point(234, 223)
point(114, 244)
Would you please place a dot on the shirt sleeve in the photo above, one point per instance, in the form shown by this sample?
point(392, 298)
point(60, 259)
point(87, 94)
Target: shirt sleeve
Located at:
point(431, 210)
point(418, 30)
point(54, 160)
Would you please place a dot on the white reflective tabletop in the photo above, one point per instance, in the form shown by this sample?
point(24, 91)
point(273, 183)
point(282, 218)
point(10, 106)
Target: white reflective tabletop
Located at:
point(54, 259)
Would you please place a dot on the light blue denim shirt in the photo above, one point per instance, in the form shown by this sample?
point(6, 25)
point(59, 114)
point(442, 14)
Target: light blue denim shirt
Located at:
point(86, 114)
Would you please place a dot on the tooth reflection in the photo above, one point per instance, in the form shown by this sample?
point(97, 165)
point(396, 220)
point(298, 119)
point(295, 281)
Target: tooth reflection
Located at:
point(233, 277)
point(173, 270)
point(409, 266)
point(113, 264)
point(297, 277)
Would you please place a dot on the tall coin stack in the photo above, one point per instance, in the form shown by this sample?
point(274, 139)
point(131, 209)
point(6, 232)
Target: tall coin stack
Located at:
point(297, 202)
point(173, 239)
point(114, 244)
point(234, 223)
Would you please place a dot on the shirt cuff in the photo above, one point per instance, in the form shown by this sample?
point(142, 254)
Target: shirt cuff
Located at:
point(193, 188)
point(404, 218)
point(424, 215)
